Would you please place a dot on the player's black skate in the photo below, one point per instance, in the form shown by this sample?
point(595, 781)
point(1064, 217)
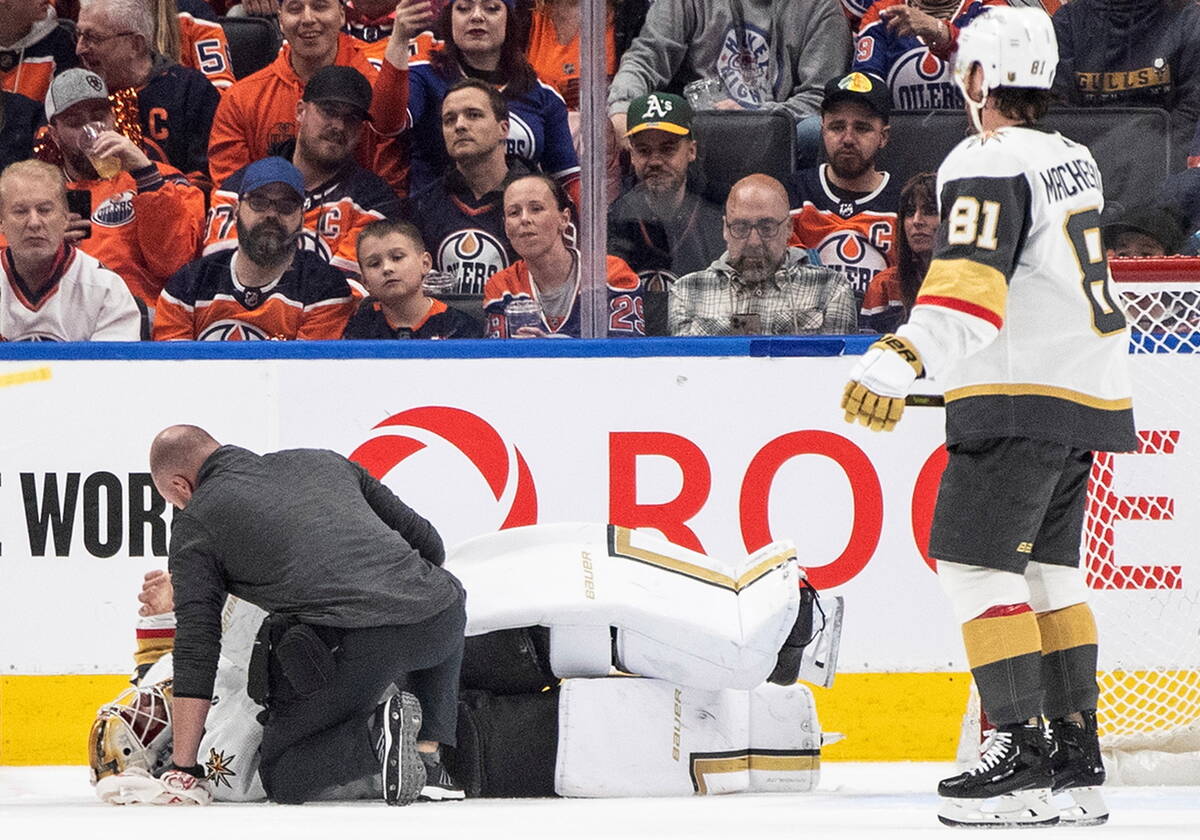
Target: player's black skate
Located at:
point(1008, 787)
point(439, 784)
point(402, 771)
point(1078, 771)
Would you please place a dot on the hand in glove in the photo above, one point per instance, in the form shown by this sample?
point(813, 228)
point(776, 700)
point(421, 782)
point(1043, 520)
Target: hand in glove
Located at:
point(874, 396)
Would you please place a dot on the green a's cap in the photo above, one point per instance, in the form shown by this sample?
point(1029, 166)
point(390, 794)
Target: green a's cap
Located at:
point(664, 111)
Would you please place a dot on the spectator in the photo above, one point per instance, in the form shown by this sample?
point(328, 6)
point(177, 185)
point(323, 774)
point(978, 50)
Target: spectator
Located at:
point(34, 47)
point(259, 111)
point(1144, 232)
point(1142, 53)
point(340, 196)
point(892, 292)
point(20, 119)
point(49, 291)
point(482, 42)
point(910, 43)
point(845, 209)
point(372, 22)
point(537, 218)
point(760, 286)
point(393, 263)
point(266, 288)
point(175, 104)
point(461, 214)
point(765, 55)
point(661, 228)
point(147, 219)
point(186, 31)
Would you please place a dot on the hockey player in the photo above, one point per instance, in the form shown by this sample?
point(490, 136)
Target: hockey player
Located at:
point(1017, 321)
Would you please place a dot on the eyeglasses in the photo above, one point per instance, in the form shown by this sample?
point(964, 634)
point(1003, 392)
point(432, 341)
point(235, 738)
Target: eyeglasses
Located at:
point(86, 37)
point(767, 228)
point(285, 206)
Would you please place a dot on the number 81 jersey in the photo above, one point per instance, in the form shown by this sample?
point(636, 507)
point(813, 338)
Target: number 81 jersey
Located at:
point(1017, 318)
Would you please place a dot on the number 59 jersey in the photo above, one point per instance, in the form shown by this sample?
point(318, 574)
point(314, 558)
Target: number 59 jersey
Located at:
point(1016, 318)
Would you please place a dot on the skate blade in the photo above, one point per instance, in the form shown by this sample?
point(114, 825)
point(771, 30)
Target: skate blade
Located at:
point(1019, 809)
point(1081, 806)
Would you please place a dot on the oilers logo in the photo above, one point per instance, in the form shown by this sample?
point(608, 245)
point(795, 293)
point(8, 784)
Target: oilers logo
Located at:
point(853, 255)
point(33, 337)
point(232, 330)
point(473, 256)
point(521, 140)
point(312, 241)
point(920, 81)
point(117, 210)
point(657, 279)
point(744, 65)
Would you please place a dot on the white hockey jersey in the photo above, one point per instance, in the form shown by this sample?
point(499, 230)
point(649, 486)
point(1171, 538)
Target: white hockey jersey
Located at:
point(83, 302)
point(1016, 318)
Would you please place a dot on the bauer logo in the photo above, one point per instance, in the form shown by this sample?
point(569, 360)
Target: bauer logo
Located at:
point(446, 445)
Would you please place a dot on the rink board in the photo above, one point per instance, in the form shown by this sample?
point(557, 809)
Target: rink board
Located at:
point(722, 445)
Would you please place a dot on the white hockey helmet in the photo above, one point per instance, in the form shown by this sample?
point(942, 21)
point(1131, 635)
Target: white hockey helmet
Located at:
point(132, 731)
point(1015, 47)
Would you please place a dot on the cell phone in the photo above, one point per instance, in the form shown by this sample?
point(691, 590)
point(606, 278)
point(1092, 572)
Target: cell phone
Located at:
point(79, 202)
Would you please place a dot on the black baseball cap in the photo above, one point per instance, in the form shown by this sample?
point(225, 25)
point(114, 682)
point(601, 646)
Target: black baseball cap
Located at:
point(866, 88)
point(1159, 223)
point(340, 84)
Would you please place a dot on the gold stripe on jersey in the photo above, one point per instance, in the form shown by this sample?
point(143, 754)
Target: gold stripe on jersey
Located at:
point(989, 640)
point(1067, 628)
point(970, 282)
point(1030, 390)
point(620, 544)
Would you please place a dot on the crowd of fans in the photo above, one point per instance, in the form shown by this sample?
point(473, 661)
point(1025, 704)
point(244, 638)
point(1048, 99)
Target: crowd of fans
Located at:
point(411, 169)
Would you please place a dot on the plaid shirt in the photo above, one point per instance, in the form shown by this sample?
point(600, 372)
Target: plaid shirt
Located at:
point(800, 299)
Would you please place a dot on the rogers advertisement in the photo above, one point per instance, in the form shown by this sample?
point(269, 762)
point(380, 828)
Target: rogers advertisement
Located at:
point(718, 454)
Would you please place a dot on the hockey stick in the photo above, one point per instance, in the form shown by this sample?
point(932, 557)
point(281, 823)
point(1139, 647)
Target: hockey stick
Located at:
point(925, 400)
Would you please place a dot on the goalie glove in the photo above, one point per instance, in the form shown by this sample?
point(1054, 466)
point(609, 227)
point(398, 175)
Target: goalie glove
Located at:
point(183, 786)
point(874, 396)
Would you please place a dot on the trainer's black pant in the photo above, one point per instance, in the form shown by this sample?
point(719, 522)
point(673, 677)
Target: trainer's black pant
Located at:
point(313, 743)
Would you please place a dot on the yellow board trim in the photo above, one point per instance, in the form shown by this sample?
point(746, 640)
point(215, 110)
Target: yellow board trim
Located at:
point(968, 281)
point(623, 547)
point(25, 377)
point(989, 640)
point(1067, 628)
point(1025, 390)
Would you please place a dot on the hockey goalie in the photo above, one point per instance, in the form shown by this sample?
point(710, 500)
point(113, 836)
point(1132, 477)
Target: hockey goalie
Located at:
point(599, 662)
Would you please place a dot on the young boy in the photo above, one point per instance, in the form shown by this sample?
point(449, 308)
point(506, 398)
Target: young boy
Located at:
point(392, 261)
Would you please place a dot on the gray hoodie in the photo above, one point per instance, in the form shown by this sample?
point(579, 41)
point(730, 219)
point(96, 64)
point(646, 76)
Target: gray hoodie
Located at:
point(779, 57)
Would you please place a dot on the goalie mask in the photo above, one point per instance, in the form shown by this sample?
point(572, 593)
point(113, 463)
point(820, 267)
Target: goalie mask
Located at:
point(132, 731)
point(1015, 47)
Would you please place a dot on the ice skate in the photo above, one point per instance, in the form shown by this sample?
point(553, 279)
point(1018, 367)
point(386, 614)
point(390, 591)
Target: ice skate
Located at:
point(1077, 771)
point(1008, 787)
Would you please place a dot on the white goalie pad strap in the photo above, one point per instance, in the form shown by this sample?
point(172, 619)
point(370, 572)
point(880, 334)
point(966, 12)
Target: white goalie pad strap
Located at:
point(1055, 587)
point(973, 590)
point(624, 736)
point(680, 615)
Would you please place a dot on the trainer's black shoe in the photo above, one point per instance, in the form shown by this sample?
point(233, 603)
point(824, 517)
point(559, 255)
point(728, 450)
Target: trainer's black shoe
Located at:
point(439, 784)
point(402, 771)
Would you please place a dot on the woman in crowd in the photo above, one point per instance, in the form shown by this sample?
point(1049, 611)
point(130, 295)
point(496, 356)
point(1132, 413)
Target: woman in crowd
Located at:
point(893, 291)
point(481, 40)
point(537, 220)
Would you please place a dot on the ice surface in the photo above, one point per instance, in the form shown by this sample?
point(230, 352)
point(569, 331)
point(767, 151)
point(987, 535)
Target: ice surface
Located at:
point(854, 801)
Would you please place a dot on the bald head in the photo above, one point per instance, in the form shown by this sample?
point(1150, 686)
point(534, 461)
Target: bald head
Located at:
point(176, 456)
point(757, 226)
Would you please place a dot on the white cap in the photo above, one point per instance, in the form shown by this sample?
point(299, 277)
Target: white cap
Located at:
point(72, 87)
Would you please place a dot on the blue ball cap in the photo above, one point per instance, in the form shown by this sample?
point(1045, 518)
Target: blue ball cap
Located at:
point(272, 170)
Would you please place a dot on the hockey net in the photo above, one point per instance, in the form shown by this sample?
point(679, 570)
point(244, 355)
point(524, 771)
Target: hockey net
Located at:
point(1140, 541)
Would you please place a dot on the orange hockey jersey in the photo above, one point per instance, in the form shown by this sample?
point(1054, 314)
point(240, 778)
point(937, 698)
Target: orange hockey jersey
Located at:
point(146, 225)
point(204, 47)
point(259, 112)
point(205, 302)
point(27, 66)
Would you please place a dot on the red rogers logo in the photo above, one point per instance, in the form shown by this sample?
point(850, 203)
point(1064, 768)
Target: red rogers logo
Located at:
point(470, 435)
